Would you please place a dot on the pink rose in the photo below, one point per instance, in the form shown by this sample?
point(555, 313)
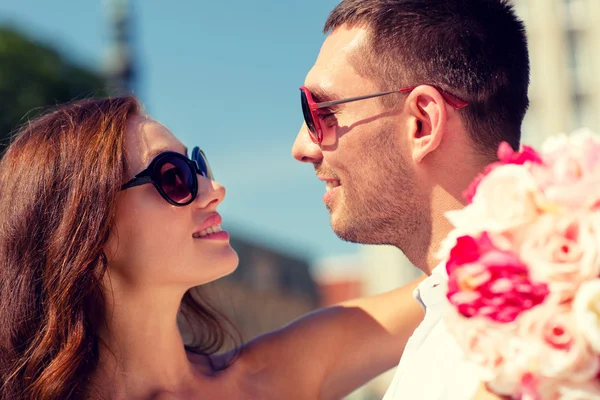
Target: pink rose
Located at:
point(570, 174)
point(582, 192)
point(506, 155)
point(566, 185)
point(530, 387)
point(555, 347)
point(486, 281)
point(497, 351)
point(562, 251)
point(581, 147)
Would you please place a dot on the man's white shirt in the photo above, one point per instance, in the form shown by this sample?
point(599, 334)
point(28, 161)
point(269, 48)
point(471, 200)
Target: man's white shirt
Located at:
point(433, 366)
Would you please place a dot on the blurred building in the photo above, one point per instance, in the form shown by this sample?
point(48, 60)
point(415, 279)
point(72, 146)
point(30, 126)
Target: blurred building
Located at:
point(268, 289)
point(338, 278)
point(384, 268)
point(376, 269)
point(564, 44)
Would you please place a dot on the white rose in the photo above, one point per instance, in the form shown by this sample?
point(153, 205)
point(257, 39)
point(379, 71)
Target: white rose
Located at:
point(508, 197)
point(578, 138)
point(580, 391)
point(491, 347)
point(555, 143)
point(586, 308)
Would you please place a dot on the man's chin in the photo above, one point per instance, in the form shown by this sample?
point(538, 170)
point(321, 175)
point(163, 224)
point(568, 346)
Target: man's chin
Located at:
point(345, 226)
point(349, 230)
point(345, 231)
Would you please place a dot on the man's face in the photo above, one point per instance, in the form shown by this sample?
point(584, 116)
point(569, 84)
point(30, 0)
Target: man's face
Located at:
point(371, 193)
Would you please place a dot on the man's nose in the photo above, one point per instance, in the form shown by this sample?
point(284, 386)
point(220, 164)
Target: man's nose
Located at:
point(304, 149)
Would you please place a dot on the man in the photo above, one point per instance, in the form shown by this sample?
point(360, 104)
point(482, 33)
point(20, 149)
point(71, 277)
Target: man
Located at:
point(440, 85)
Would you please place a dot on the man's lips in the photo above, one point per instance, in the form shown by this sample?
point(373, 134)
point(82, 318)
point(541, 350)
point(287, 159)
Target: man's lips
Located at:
point(329, 185)
point(330, 181)
point(327, 177)
point(332, 185)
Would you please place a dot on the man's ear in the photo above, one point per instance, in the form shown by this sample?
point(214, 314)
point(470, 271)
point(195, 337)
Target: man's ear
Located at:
point(427, 111)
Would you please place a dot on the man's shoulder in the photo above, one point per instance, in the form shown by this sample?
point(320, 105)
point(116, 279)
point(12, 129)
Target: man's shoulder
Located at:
point(435, 367)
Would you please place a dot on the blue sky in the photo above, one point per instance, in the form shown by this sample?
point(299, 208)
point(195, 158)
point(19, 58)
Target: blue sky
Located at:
point(225, 76)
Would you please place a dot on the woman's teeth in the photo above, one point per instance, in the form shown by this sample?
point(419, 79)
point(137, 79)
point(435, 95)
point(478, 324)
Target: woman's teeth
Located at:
point(208, 231)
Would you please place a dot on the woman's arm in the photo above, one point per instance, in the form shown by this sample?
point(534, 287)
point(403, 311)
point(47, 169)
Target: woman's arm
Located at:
point(332, 351)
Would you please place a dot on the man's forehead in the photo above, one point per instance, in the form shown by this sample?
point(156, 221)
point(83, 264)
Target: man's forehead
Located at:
point(343, 40)
point(333, 61)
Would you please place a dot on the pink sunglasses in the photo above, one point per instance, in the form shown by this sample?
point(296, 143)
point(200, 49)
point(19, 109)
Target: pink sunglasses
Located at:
point(310, 107)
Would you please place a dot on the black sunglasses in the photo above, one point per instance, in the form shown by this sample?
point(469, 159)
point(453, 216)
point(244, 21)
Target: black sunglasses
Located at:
point(174, 176)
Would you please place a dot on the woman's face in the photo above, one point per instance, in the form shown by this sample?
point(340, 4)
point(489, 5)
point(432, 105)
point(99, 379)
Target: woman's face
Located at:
point(156, 244)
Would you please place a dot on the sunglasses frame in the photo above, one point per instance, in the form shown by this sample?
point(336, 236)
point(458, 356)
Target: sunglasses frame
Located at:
point(316, 133)
point(148, 176)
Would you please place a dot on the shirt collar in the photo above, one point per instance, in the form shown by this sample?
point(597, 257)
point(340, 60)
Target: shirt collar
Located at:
point(432, 290)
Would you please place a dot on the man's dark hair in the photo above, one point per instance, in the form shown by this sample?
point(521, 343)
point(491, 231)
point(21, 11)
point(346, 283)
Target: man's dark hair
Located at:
point(474, 49)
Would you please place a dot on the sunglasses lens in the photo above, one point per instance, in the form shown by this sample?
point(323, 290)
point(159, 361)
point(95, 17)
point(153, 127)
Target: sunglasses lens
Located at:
point(200, 158)
point(310, 123)
point(175, 179)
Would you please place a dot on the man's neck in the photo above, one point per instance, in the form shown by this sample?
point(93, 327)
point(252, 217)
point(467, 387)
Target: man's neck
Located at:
point(424, 252)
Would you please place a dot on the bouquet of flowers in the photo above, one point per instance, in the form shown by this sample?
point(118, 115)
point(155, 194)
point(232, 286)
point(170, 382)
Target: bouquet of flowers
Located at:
point(523, 264)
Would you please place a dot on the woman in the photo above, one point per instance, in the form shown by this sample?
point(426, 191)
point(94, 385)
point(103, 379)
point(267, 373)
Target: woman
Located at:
point(105, 228)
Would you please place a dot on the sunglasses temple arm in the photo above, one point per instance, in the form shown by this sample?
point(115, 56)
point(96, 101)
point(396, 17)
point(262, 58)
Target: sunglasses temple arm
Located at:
point(348, 100)
point(141, 179)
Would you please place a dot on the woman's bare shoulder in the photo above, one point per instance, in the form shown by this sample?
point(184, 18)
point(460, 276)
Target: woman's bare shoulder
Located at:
point(267, 369)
